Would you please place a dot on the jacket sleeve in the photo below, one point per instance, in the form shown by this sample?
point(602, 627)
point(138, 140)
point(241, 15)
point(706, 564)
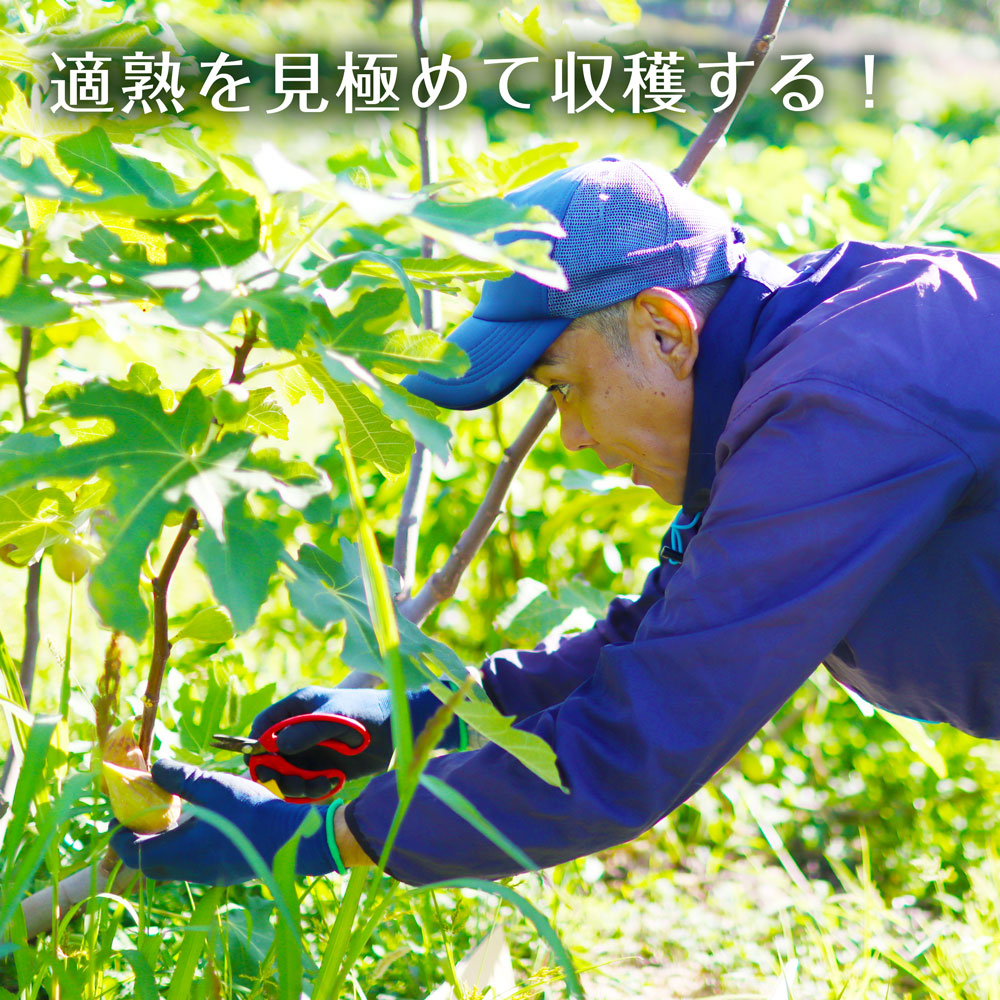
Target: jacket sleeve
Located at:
point(524, 682)
point(823, 492)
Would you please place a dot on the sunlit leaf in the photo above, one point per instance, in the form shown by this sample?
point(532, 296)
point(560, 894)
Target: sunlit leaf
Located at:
point(31, 519)
point(371, 434)
point(530, 750)
point(208, 625)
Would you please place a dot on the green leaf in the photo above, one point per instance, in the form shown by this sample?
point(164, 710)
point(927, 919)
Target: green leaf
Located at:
point(33, 305)
point(326, 592)
point(208, 625)
point(355, 331)
point(145, 982)
point(240, 565)
point(509, 172)
point(918, 740)
point(32, 519)
point(534, 613)
point(542, 925)
point(370, 432)
point(130, 186)
point(395, 402)
point(18, 876)
point(460, 805)
point(196, 939)
point(363, 332)
point(193, 246)
point(527, 748)
point(486, 216)
point(156, 461)
point(265, 417)
point(13, 700)
point(14, 56)
point(469, 228)
point(437, 272)
point(289, 947)
point(286, 320)
point(527, 26)
point(385, 264)
point(26, 445)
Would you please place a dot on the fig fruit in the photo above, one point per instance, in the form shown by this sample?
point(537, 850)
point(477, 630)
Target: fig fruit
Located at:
point(121, 749)
point(70, 560)
point(231, 404)
point(137, 801)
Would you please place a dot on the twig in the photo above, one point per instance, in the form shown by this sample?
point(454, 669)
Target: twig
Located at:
point(242, 352)
point(32, 631)
point(404, 550)
point(21, 375)
point(443, 583)
point(719, 123)
point(161, 641)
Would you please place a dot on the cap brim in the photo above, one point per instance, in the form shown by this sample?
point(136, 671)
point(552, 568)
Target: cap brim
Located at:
point(500, 355)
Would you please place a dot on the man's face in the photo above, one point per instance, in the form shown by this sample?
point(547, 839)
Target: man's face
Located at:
point(633, 409)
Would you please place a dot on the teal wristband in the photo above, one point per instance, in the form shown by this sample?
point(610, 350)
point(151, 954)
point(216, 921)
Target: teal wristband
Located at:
point(331, 838)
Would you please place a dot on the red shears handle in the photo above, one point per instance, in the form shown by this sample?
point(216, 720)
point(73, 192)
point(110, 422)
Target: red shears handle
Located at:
point(273, 759)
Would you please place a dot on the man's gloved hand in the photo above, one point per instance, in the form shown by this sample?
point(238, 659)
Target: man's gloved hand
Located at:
point(197, 851)
point(298, 742)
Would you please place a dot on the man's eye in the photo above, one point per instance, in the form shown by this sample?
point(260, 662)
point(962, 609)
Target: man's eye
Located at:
point(560, 387)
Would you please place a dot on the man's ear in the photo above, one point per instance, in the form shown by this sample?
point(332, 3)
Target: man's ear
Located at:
point(663, 325)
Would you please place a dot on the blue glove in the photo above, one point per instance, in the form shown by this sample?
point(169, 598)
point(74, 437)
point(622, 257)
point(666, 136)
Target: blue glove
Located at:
point(298, 742)
point(196, 851)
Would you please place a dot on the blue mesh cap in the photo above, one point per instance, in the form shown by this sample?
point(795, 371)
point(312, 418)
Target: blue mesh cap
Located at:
point(628, 226)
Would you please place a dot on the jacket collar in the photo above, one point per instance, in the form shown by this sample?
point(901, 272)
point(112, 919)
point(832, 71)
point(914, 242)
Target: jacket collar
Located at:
point(719, 372)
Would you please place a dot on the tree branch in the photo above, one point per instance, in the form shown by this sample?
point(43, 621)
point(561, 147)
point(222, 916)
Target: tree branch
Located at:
point(161, 641)
point(32, 630)
point(444, 582)
point(242, 352)
point(719, 123)
point(21, 375)
point(404, 550)
point(111, 875)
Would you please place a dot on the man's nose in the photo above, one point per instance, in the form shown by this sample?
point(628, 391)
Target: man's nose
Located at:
point(574, 435)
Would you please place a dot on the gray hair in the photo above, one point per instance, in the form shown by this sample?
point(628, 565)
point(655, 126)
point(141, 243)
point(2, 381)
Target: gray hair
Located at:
point(611, 321)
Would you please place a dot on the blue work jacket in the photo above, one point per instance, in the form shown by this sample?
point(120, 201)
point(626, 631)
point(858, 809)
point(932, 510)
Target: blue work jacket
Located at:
point(843, 489)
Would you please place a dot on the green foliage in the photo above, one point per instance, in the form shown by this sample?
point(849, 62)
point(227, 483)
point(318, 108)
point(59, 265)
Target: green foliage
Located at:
point(156, 261)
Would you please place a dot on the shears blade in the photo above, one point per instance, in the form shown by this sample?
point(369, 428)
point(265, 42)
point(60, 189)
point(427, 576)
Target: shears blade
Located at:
point(238, 744)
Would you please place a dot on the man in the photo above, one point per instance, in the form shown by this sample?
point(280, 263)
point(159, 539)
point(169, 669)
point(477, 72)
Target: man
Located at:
point(832, 431)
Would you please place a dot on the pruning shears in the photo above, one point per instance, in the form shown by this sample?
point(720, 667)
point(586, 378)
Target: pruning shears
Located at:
point(264, 752)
